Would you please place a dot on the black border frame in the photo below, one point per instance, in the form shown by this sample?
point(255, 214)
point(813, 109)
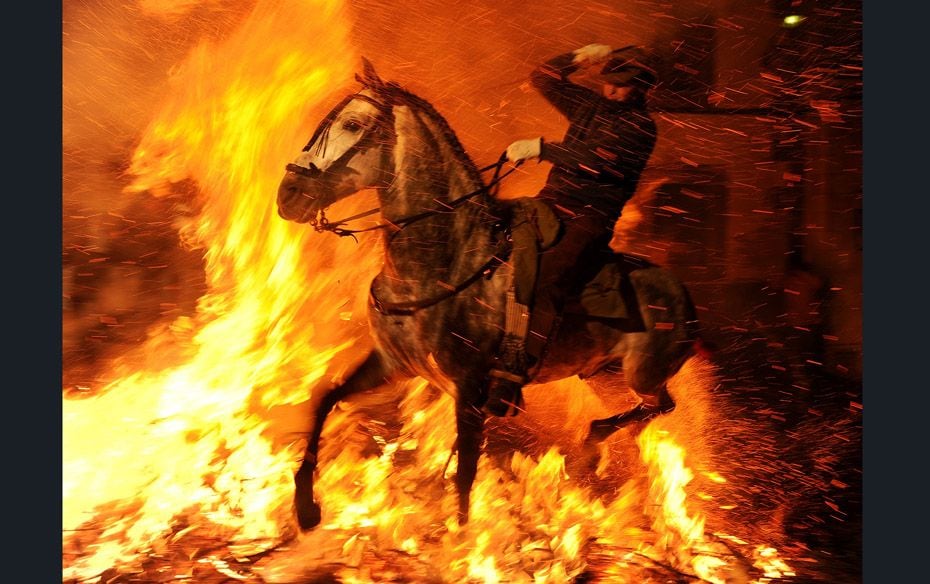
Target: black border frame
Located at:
point(33, 303)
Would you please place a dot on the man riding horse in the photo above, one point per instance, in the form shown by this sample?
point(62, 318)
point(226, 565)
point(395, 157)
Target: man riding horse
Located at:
point(595, 171)
point(438, 304)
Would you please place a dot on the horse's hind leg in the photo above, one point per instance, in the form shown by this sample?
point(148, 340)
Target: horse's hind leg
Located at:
point(470, 426)
point(371, 373)
point(649, 383)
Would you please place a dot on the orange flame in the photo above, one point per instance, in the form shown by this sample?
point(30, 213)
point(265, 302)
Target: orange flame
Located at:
point(681, 531)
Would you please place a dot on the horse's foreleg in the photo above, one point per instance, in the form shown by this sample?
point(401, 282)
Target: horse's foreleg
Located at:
point(470, 426)
point(372, 373)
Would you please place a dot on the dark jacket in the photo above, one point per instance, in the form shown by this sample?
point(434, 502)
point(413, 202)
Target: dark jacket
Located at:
point(597, 165)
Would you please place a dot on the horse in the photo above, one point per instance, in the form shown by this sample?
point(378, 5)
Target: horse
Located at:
point(437, 306)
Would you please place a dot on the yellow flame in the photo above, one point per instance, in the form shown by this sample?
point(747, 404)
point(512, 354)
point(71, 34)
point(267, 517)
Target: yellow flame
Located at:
point(183, 442)
point(682, 541)
point(766, 559)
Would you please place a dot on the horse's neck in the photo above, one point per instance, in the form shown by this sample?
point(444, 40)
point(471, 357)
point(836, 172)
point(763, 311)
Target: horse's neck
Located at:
point(428, 176)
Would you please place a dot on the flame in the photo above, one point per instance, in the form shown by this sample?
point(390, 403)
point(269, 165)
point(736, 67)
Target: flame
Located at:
point(182, 442)
point(681, 531)
point(529, 523)
point(179, 447)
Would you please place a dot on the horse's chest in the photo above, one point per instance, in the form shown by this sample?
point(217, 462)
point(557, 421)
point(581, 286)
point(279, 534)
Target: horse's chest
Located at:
point(403, 338)
point(425, 345)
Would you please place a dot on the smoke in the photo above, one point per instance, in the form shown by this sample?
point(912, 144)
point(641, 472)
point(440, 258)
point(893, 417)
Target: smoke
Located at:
point(116, 62)
point(117, 58)
point(473, 63)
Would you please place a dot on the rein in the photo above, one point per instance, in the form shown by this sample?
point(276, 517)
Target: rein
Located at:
point(323, 224)
point(486, 270)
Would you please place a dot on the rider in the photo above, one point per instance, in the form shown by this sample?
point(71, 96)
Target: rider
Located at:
point(595, 170)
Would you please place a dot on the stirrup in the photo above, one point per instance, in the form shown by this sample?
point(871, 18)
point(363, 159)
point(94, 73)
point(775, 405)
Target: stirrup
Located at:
point(507, 378)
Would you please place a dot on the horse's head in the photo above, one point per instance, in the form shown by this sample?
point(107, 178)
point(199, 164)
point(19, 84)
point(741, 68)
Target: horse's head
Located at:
point(349, 151)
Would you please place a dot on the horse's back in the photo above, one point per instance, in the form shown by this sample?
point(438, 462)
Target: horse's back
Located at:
point(630, 310)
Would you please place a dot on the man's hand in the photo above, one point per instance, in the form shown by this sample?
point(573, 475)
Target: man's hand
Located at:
point(522, 150)
point(591, 54)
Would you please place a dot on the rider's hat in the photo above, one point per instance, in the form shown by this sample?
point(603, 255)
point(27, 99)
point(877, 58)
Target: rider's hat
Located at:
point(630, 66)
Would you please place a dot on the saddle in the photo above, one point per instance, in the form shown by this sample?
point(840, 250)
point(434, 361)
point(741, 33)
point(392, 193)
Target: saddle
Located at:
point(539, 216)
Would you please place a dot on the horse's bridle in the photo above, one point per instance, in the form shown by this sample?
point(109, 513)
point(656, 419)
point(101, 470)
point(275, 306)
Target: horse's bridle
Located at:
point(383, 123)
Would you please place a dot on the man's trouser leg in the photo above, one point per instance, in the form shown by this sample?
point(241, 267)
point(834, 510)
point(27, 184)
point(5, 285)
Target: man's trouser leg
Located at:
point(560, 269)
point(527, 334)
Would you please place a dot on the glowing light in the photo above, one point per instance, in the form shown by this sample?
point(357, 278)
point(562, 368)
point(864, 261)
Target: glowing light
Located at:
point(792, 20)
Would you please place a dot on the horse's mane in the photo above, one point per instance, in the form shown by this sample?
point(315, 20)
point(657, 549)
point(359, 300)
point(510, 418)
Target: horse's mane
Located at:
point(408, 98)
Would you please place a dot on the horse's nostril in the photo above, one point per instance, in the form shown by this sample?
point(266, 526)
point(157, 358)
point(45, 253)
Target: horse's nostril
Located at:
point(288, 191)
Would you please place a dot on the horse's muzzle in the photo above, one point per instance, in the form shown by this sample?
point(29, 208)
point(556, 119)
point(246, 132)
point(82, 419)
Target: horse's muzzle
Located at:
point(293, 200)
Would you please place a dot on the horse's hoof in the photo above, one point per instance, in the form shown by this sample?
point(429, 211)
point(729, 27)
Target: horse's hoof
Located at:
point(463, 518)
point(309, 515)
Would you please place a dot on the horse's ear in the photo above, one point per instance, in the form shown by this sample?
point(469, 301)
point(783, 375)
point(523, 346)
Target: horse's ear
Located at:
point(369, 75)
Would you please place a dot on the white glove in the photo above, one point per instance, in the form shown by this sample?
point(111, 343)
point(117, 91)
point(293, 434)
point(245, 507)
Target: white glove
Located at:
point(524, 150)
point(591, 54)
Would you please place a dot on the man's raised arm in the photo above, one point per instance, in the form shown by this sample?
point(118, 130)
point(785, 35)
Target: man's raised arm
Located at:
point(552, 77)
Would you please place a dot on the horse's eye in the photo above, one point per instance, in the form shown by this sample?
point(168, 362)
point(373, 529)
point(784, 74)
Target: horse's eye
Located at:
point(351, 126)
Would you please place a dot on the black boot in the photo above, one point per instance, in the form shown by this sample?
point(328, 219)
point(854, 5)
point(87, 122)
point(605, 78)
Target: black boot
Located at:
point(507, 378)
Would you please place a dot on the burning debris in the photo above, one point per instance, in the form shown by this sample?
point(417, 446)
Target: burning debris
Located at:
point(392, 510)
